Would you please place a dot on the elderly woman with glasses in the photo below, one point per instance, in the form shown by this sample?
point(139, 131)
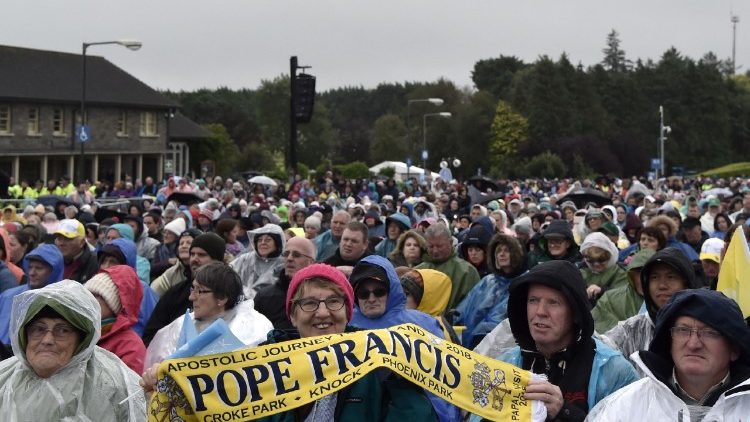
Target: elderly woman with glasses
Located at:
point(601, 272)
point(320, 301)
point(58, 372)
point(216, 293)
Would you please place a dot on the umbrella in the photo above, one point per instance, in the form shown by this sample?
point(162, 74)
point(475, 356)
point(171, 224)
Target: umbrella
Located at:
point(721, 192)
point(486, 199)
point(485, 183)
point(582, 196)
point(184, 198)
point(104, 213)
point(263, 180)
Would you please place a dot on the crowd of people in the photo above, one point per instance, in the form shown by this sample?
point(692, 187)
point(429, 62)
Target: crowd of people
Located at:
point(607, 287)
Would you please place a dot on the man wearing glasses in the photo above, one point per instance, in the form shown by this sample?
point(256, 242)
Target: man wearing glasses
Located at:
point(697, 366)
point(270, 300)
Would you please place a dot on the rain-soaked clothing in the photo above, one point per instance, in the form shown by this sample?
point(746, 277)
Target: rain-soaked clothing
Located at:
point(148, 303)
point(656, 397)
point(90, 387)
point(635, 333)
point(586, 370)
point(436, 290)
point(252, 267)
point(120, 338)
point(462, 274)
point(249, 326)
point(46, 253)
point(396, 314)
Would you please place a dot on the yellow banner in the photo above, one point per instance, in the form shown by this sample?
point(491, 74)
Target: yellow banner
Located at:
point(261, 381)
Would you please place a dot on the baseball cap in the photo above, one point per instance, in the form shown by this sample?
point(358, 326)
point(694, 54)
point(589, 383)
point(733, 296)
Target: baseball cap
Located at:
point(71, 229)
point(711, 250)
point(714, 202)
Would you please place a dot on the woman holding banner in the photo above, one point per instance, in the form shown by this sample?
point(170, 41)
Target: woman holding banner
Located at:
point(216, 293)
point(320, 301)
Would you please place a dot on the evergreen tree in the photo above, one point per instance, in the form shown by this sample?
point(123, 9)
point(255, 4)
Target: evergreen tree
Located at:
point(614, 57)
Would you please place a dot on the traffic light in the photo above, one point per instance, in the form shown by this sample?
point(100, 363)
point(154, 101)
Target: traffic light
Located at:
point(304, 97)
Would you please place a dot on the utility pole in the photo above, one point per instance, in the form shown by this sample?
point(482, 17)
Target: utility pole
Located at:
point(734, 19)
point(663, 132)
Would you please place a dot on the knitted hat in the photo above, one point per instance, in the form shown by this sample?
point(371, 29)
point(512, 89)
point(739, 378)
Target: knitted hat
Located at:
point(321, 271)
point(176, 226)
point(212, 243)
point(102, 285)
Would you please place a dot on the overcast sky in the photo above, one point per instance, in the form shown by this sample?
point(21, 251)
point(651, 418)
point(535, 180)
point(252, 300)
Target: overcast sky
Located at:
point(192, 44)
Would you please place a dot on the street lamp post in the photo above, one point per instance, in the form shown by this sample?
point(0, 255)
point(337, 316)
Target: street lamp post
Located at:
point(131, 45)
point(434, 101)
point(663, 132)
point(424, 135)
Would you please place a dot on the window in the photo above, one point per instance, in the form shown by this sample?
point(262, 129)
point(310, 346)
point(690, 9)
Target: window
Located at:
point(148, 124)
point(33, 122)
point(122, 123)
point(5, 122)
point(58, 122)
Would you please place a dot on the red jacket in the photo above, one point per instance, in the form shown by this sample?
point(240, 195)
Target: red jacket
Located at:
point(121, 339)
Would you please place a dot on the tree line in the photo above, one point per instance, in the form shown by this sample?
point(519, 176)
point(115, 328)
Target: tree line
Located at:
point(546, 118)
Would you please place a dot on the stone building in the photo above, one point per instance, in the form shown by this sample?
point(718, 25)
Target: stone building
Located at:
point(40, 102)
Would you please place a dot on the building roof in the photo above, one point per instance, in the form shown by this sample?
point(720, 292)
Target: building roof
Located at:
point(180, 127)
point(49, 76)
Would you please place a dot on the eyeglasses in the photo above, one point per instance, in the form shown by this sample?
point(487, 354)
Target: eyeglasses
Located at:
point(199, 291)
point(364, 294)
point(684, 333)
point(294, 254)
point(59, 332)
point(556, 240)
point(591, 260)
point(333, 303)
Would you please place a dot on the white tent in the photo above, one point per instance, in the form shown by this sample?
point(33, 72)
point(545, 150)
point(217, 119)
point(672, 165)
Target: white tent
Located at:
point(401, 170)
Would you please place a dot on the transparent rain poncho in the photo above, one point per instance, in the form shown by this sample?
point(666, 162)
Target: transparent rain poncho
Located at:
point(94, 386)
point(650, 400)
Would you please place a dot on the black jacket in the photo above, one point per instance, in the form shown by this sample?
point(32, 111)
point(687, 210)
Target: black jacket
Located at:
point(271, 302)
point(89, 265)
point(570, 368)
point(675, 259)
point(336, 260)
point(173, 304)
